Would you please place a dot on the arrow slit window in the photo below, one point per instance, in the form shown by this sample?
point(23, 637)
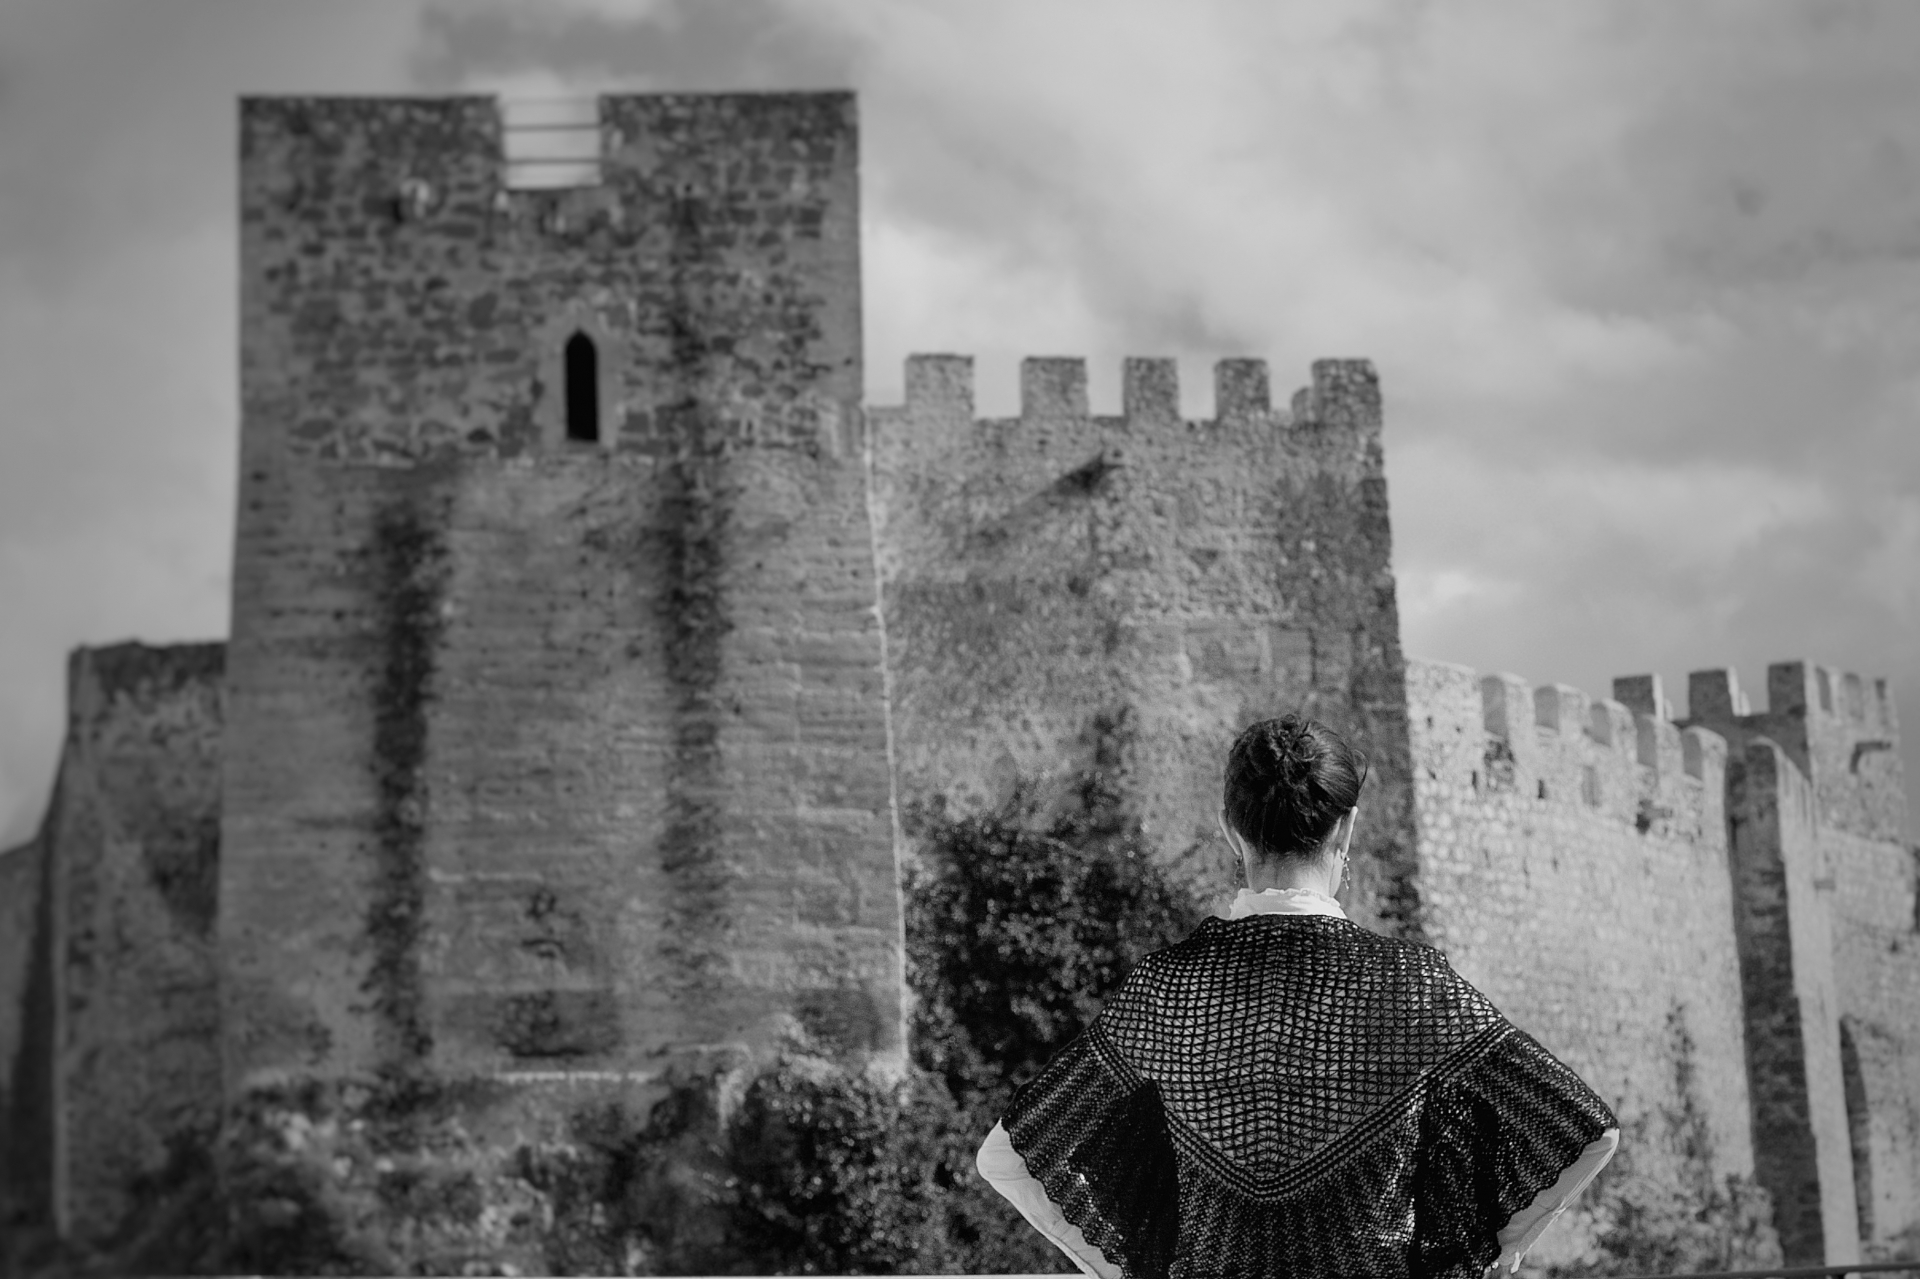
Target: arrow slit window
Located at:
point(583, 389)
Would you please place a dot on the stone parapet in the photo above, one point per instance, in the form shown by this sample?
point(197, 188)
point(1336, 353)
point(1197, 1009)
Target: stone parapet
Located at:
point(1067, 592)
point(1573, 863)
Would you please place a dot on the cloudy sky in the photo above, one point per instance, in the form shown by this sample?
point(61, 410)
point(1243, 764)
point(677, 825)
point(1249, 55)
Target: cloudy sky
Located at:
point(1642, 281)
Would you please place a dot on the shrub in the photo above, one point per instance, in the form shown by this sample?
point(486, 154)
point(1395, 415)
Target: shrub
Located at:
point(1647, 1223)
point(1019, 923)
point(1667, 1215)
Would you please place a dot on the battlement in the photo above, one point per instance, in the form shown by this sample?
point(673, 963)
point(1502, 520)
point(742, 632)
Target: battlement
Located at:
point(410, 291)
point(1511, 742)
point(1052, 575)
point(462, 402)
point(549, 145)
point(1863, 705)
point(1341, 394)
point(1840, 729)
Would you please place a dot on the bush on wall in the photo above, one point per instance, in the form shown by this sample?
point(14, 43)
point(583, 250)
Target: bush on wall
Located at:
point(1649, 1221)
point(1657, 1207)
point(1019, 923)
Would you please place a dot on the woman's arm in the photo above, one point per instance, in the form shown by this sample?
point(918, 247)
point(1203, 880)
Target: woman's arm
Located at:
point(1007, 1173)
point(1525, 1227)
point(1510, 1136)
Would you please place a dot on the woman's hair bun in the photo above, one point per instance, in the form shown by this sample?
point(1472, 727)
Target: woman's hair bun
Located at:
point(1289, 781)
point(1286, 743)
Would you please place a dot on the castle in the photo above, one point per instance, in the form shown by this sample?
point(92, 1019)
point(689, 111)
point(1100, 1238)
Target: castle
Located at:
point(591, 640)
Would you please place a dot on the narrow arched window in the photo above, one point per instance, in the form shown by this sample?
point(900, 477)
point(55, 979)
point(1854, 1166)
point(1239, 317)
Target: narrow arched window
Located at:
point(583, 389)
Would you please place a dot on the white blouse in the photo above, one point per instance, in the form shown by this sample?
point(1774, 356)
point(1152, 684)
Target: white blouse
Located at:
point(1003, 1167)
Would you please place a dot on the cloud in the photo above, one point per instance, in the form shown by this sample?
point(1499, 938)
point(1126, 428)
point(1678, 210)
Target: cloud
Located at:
point(641, 45)
point(118, 339)
point(1640, 279)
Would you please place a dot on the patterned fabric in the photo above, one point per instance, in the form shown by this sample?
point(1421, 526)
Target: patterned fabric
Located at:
point(1294, 1095)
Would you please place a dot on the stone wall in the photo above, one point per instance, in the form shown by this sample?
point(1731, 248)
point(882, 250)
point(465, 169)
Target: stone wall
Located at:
point(1860, 789)
point(1783, 923)
point(553, 758)
point(20, 875)
point(112, 1018)
point(1877, 973)
point(26, 1031)
point(1067, 593)
point(1573, 861)
point(560, 773)
point(1842, 733)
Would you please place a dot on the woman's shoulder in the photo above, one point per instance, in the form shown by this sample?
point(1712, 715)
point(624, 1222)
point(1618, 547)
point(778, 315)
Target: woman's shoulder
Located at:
point(1321, 942)
point(1298, 931)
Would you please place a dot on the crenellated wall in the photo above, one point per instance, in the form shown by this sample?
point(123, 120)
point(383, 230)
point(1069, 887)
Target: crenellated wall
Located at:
point(1573, 861)
point(1065, 591)
point(549, 777)
point(1840, 733)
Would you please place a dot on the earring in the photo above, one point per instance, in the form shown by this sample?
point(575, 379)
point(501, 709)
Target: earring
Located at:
point(1233, 846)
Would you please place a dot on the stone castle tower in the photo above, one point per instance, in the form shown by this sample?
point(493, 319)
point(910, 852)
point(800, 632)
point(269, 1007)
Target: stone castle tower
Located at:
point(555, 670)
point(594, 651)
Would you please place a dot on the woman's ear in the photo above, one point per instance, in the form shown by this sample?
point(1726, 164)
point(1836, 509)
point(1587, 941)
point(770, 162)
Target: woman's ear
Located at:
point(1227, 833)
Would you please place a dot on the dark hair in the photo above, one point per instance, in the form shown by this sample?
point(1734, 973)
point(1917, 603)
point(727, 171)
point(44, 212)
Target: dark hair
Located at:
point(1289, 782)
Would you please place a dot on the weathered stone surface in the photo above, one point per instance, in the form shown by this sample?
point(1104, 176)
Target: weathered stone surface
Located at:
point(26, 1039)
point(1782, 923)
point(1877, 975)
point(556, 783)
point(1588, 895)
point(1841, 737)
point(549, 754)
point(113, 1013)
point(1066, 592)
point(19, 904)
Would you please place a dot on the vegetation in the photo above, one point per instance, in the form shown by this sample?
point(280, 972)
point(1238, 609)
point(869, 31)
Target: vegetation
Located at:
point(1648, 1220)
point(1019, 924)
point(1657, 1207)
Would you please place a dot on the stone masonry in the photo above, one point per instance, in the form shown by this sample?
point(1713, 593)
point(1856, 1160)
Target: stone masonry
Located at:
point(114, 1037)
point(1830, 738)
point(546, 752)
point(1573, 863)
point(1063, 590)
point(596, 655)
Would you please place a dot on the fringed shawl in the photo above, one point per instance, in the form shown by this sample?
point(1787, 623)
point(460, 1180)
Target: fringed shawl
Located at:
point(1294, 1095)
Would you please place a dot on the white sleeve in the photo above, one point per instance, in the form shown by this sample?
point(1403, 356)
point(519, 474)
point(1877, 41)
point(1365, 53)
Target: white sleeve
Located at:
point(1007, 1173)
point(1527, 1225)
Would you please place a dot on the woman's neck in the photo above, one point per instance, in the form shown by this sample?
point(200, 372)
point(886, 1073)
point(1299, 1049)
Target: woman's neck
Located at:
point(1316, 875)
